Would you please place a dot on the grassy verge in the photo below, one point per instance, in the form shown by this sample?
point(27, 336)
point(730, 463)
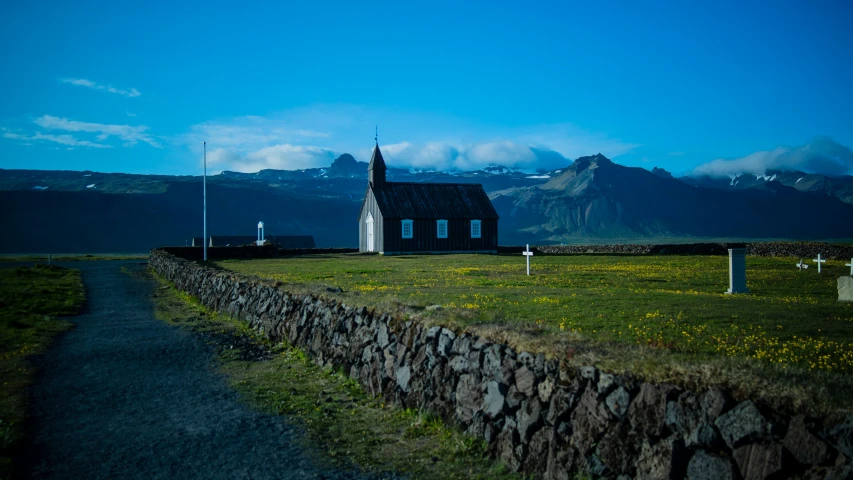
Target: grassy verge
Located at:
point(663, 317)
point(31, 299)
point(340, 419)
point(71, 257)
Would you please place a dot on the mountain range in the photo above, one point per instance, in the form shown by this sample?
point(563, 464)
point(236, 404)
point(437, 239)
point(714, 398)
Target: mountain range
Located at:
point(593, 200)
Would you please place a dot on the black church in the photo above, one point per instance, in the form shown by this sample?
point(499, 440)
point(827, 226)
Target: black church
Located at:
point(407, 217)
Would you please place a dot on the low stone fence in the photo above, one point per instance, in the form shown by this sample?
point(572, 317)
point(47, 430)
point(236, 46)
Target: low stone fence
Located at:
point(626, 249)
point(806, 250)
point(538, 417)
point(248, 251)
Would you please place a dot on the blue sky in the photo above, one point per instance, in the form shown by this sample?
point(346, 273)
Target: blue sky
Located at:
point(136, 87)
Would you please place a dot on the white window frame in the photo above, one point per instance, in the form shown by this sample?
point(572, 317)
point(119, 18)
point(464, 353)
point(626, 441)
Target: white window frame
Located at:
point(410, 224)
point(476, 229)
point(438, 227)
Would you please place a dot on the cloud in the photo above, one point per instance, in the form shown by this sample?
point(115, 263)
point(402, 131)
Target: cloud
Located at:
point(249, 133)
point(222, 156)
point(68, 140)
point(572, 142)
point(821, 155)
point(82, 82)
point(278, 157)
point(472, 156)
point(61, 139)
point(15, 136)
point(430, 156)
point(434, 155)
point(307, 135)
point(130, 134)
point(505, 153)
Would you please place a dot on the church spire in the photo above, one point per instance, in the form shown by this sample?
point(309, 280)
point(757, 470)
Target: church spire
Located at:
point(376, 169)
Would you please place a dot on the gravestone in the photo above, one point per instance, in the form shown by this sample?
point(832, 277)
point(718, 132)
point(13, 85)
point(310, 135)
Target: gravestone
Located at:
point(802, 266)
point(818, 260)
point(737, 271)
point(851, 266)
point(527, 253)
point(845, 289)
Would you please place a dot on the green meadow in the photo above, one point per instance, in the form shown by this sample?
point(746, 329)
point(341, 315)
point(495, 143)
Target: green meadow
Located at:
point(31, 299)
point(660, 316)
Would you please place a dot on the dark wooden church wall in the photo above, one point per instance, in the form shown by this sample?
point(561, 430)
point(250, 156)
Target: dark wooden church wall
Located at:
point(425, 236)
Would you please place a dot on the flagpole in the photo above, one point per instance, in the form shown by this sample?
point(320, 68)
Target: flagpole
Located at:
point(204, 187)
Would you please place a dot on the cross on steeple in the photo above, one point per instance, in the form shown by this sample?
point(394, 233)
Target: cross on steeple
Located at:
point(376, 138)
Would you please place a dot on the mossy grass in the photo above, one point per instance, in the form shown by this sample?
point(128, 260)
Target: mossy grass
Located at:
point(71, 257)
point(340, 419)
point(666, 318)
point(31, 300)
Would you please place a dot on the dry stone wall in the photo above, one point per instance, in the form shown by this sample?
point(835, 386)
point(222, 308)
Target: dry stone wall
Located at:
point(248, 251)
point(541, 418)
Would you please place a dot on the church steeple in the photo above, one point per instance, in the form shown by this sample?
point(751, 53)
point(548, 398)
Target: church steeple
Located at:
point(376, 170)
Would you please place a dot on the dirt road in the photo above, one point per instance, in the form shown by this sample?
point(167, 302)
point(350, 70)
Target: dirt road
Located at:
point(124, 395)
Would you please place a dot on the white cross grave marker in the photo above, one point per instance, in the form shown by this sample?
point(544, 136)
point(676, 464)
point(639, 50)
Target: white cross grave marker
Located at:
point(851, 266)
point(818, 261)
point(802, 266)
point(527, 253)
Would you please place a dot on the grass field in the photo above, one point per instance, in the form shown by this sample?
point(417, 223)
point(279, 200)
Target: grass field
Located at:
point(659, 315)
point(42, 258)
point(30, 300)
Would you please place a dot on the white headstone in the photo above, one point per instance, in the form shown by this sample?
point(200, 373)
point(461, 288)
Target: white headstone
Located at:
point(851, 266)
point(527, 253)
point(845, 289)
point(818, 261)
point(802, 266)
point(737, 271)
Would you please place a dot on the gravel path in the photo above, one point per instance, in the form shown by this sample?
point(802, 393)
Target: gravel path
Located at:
point(124, 395)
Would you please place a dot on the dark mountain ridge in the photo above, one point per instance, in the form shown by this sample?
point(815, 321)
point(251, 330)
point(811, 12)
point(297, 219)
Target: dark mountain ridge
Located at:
point(591, 200)
point(840, 187)
point(596, 198)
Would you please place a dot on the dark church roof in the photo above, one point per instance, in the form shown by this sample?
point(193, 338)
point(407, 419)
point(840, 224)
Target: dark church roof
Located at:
point(433, 200)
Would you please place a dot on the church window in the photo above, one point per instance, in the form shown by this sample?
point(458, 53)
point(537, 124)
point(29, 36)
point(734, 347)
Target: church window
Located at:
point(407, 229)
point(475, 228)
point(442, 228)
